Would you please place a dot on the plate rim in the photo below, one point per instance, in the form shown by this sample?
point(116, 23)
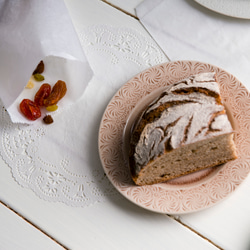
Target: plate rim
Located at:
point(219, 11)
point(99, 141)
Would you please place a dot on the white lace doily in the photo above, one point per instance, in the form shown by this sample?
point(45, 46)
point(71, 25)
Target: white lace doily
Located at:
point(60, 162)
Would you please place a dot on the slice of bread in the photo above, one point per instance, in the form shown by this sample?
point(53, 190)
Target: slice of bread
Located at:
point(184, 130)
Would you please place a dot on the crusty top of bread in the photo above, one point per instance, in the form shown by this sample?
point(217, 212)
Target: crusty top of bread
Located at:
point(187, 111)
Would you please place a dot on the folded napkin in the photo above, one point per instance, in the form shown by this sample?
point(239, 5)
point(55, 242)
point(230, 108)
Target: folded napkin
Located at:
point(31, 31)
point(187, 31)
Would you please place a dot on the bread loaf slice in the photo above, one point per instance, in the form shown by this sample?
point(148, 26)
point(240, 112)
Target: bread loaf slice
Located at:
point(186, 129)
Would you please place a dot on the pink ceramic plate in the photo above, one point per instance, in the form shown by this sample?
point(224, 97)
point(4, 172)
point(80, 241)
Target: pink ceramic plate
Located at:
point(195, 191)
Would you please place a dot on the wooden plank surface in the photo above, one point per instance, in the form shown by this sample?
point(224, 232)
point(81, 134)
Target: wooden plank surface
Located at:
point(17, 233)
point(116, 224)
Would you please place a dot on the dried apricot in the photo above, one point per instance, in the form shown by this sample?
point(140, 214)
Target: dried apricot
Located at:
point(29, 109)
point(57, 93)
point(43, 92)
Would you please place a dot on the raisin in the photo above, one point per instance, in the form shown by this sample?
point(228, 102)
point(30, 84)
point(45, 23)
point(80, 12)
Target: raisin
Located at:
point(43, 92)
point(57, 93)
point(30, 110)
point(39, 69)
point(48, 119)
point(38, 77)
point(52, 108)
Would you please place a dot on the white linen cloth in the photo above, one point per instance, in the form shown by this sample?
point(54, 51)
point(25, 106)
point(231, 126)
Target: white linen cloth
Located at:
point(187, 31)
point(60, 162)
point(31, 31)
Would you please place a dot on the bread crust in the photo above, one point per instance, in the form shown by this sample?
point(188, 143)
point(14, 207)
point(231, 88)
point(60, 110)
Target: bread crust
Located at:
point(184, 115)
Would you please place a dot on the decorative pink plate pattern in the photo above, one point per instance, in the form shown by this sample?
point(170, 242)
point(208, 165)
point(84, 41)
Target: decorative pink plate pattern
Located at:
point(178, 196)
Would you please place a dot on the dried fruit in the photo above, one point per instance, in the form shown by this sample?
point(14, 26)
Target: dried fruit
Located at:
point(38, 77)
point(43, 92)
point(58, 92)
point(48, 119)
point(43, 97)
point(52, 108)
point(30, 84)
point(29, 109)
point(39, 68)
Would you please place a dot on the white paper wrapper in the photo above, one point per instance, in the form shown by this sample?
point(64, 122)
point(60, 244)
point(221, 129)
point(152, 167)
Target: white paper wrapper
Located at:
point(31, 31)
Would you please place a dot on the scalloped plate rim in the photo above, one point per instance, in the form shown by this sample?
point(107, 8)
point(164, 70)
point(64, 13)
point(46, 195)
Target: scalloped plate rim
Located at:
point(157, 210)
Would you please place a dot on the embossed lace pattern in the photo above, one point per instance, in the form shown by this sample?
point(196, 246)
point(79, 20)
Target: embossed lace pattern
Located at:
point(60, 162)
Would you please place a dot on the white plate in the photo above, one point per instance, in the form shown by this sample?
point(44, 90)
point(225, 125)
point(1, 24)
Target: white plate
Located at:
point(233, 8)
point(195, 191)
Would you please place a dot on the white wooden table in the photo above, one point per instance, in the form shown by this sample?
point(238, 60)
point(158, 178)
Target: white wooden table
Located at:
point(28, 222)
